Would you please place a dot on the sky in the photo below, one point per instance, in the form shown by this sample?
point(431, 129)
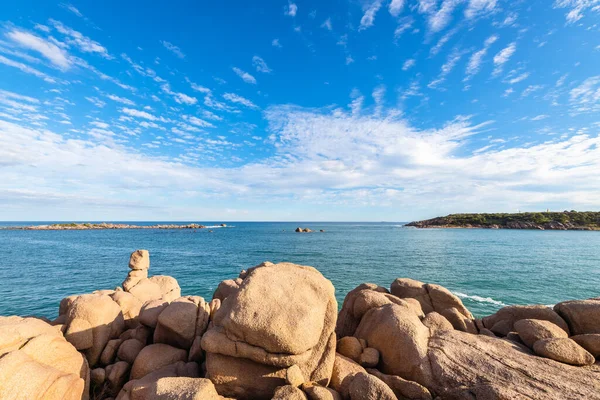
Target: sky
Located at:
point(336, 110)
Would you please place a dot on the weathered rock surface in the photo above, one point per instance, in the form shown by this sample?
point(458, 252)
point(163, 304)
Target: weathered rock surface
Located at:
point(564, 350)
point(368, 387)
point(590, 342)
point(532, 330)
point(297, 300)
point(154, 357)
point(37, 362)
point(502, 322)
point(583, 316)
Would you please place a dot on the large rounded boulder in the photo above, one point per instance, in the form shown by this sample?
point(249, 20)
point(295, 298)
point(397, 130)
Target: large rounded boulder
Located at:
point(281, 315)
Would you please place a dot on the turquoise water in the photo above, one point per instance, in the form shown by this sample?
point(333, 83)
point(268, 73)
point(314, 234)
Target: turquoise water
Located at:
point(488, 268)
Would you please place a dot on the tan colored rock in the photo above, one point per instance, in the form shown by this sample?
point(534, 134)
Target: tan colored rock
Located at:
point(402, 388)
point(486, 332)
point(344, 370)
point(410, 288)
point(437, 322)
point(177, 324)
point(368, 387)
point(214, 305)
point(459, 321)
point(139, 260)
point(133, 278)
point(150, 311)
point(563, 350)
point(469, 366)
point(181, 388)
point(141, 333)
point(146, 290)
point(178, 369)
point(98, 376)
point(283, 314)
point(350, 347)
point(369, 358)
point(117, 375)
point(583, 316)
point(130, 307)
point(293, 376)
point(196, 354)
point(590, 342)
point(225, 288)
point(401, 340)
point(129, 350)
point(316, 392)
point(154, 357)
point(289, 392)
point(532, 330)
point(110, 351)
point(349, 318)
point(169, 287)
point(502, 322)
point(442, 299)
point(37, 362)
point(98, 313)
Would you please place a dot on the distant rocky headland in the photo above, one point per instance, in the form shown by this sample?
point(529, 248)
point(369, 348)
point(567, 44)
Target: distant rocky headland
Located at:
point(274, 332)
point(74, 226)
point(566, 220)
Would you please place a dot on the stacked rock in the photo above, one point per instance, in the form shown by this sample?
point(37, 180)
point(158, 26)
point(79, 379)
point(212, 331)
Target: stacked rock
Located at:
point(277, 324)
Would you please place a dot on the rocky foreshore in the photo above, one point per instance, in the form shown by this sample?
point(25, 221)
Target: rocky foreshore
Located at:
point(275, 332)
point(103, 225)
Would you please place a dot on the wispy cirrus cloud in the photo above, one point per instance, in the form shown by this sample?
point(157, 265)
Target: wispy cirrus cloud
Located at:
point(173, 49)
point(502, 57)
point(80, 41)
point(246, 77)
point(476, 59)
point(234, 98)
point(261, 65)
point(49, 50)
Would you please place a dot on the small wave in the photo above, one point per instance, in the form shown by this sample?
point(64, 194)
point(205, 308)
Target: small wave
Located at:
point(479, 299)
point(217, 226)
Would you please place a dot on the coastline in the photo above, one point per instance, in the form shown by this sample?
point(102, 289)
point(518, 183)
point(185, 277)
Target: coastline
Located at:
point(104, 225)
point(275, 332)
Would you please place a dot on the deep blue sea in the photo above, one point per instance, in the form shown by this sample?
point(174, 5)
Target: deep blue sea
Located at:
point(487, 268)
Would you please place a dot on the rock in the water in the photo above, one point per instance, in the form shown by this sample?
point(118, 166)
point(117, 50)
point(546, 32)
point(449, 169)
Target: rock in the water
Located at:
point(563, 350)
point(502, 322)
point(350, 347)
point(532, 330)
point(154, 357)
point(590, 342)
point(282, 314)
point(583, 316)
point(289, 392)
point(37, 362)
point(368, 387)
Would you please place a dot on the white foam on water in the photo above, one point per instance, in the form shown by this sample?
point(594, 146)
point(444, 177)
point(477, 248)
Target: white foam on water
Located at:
point(479, 299)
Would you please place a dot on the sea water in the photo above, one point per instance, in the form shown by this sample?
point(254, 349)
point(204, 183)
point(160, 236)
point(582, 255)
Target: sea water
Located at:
point(487, 269)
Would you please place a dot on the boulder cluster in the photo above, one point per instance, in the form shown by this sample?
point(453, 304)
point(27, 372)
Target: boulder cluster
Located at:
point(275, 332)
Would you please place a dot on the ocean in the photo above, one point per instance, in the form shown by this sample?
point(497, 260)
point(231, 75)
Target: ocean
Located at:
point(486, 268)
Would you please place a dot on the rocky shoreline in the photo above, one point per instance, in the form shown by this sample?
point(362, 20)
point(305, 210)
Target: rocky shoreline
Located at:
point(274, 332)
point(77, 226)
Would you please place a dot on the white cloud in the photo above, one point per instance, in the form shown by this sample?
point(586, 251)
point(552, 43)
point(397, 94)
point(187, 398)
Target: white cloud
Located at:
point(234, 98)
point(503, 56)
point(442, 17)
point(246, 77)
point(368, 18)
point(349, 60)
point(453, 59)
point(27, 69)
point(42, 28)
point(96, 101)
point(327, 24)
point(173, 49)
point(139, 114)
point(72, 8)
point(198, 122)
point(531, 89)
point(443, 40)
point(80, 41)
point(275, 43)
point(518, 78)
point(577, 8)
point(396, 7)
point(540, 117)
point(479, 7)
point(261, 65)
point(291, 9)
point(121, 100)
point(404, 24)
point(198, 88)
point(53, 53)
point(476, 59)
point(408, 64)
point(180, 98)
point(13, 100)
point(586, 96)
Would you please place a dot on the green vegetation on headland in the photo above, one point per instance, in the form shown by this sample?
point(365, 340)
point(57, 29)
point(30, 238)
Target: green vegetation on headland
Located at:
point(566, 220)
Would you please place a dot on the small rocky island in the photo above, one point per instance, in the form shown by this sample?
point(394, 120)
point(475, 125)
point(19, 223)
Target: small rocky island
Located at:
point(274, 332)
point(566, 220)
point(78, 226)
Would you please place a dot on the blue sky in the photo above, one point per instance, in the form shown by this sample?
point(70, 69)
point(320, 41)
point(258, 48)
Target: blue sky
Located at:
point(305, 110)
